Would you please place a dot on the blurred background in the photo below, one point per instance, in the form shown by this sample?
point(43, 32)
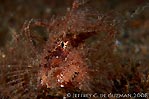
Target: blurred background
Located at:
point(132, 17)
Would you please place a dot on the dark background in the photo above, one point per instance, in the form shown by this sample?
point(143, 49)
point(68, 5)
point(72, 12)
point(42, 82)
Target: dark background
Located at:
point(14, 13)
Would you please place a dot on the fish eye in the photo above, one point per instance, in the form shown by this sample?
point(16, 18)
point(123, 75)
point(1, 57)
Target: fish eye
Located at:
point(62, 44)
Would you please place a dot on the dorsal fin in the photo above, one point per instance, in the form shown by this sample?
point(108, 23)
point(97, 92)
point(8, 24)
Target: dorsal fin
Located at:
point(78, 3)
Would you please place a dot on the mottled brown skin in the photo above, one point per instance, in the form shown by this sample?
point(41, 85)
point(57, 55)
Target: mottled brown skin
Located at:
point(64, 65)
